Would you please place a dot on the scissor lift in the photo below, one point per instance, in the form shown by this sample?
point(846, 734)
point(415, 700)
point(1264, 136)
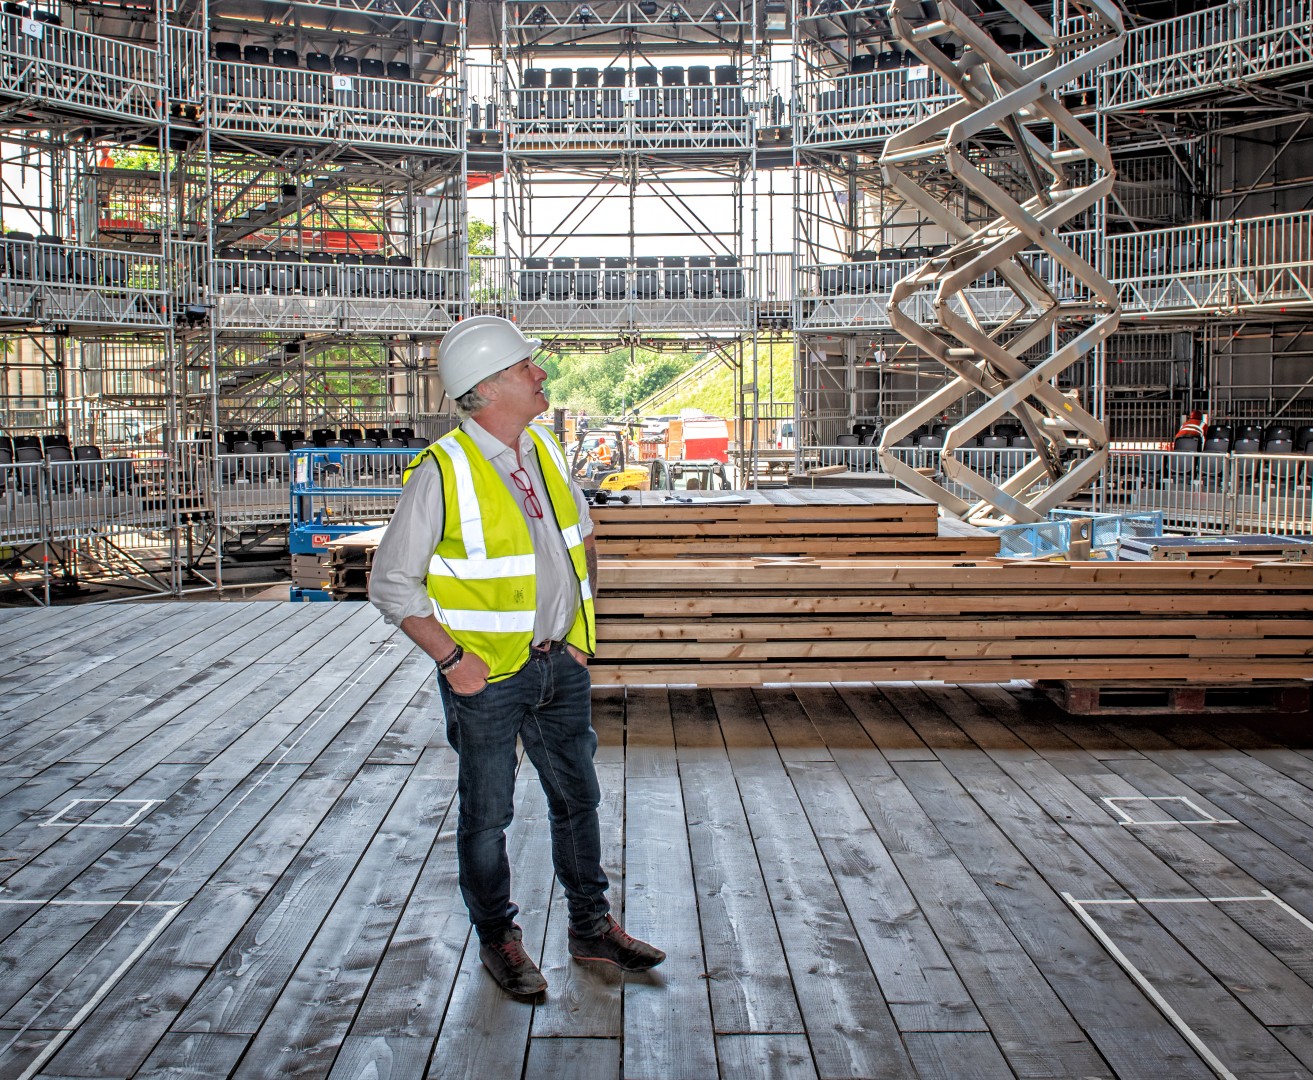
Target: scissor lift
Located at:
point(1066, 171)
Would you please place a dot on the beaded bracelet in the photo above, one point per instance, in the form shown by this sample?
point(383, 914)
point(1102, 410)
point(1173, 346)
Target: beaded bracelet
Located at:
point(455, 657)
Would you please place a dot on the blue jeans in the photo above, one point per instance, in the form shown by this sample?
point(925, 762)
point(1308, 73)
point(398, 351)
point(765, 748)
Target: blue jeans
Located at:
point(548, 705)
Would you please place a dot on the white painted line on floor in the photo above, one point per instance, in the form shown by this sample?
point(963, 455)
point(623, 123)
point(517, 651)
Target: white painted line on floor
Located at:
point(1204, 817)
point(144, 807)
point(173, 907)
point(1150, 990)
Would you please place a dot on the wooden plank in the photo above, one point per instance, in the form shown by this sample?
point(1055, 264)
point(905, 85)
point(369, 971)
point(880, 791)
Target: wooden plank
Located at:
point(956, 1055)
point(795, 736)
point(1031, 1026)
point(485, 1031)
point(314, 1011)
point(237, 998)
point(915, 976)
point(1022, 863)
point(119, 1035)
point(837, 991)
point(765, 1057)
point(667, 1011)
point(649, 736)
point(193, 1056)
point(45, 859)
point(585, 999)
point(1221, 1022)
point(380, 1057)
point(412, 985)
point(930, 722)
point(572, 1059)
point(746, 971)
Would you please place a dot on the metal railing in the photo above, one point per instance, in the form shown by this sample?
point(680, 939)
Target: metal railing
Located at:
point(324, 107)
point(79, 284)
point(1212, 493)
point(282, 295)
point(1207, 50)
point(73, 71)
point(621, 293)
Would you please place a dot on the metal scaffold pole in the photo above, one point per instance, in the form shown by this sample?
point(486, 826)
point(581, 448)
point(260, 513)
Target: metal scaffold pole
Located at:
point(1011, 144)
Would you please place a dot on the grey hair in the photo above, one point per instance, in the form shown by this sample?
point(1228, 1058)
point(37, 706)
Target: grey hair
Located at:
point(472, 401)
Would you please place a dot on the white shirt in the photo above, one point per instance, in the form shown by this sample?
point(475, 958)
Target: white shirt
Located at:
point(398, 580)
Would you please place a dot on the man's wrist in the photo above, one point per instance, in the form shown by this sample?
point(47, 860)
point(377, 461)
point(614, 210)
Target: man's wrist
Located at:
point(451, 661)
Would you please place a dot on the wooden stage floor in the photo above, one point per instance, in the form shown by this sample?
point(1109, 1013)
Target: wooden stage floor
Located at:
point(228, 850)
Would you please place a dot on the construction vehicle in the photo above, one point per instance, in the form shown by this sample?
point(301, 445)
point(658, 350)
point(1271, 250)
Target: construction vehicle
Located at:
point(706, 474)
point(601, 462)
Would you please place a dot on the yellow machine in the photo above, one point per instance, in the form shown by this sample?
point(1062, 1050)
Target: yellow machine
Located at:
point(619, 474)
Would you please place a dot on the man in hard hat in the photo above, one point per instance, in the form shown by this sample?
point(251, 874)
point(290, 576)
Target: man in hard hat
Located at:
point(489, 566)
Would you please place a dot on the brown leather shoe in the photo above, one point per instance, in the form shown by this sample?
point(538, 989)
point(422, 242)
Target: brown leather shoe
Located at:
point(614, 946)
point(511, 966)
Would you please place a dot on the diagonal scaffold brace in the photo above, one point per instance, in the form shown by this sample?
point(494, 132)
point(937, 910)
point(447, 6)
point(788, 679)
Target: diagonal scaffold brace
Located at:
point(1011, 146)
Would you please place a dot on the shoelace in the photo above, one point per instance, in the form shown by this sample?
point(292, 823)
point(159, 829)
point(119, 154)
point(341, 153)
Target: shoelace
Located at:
point(513, 951)
point(615, 932)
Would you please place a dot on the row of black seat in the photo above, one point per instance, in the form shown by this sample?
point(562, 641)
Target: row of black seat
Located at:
point(1248, 439)
point(676, 277)
point(318, 272)
point(266, 440)
point(76, 468)
point(590, 93)
point(44, 258)
point(289, 59)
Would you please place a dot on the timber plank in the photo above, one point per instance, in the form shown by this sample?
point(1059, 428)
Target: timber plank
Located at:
point(765, 1057)
point(314, 1012)
point(930, 722)
point(746, 971)
point(1036, 1034)
point(573, 1059)
point(49, 855)
point(795, 736)
point(140, 1008)
point(1023, 879)
point(419, 719)
point(238, 995)
point(1222, 1023)
point(193, 1057)
point(381, 1057)
point(411, 987)
point(486, 1032)
point(649, 735)
point(852, 1033)
point(893, 736)
point(667, 1011)
point(956, 1055)
point(584, 1000)
point(915, 976)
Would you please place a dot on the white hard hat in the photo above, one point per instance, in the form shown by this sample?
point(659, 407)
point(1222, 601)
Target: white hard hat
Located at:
point(477, 348)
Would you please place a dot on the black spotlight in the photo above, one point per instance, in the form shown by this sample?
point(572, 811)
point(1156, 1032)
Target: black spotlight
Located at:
point(648, 8)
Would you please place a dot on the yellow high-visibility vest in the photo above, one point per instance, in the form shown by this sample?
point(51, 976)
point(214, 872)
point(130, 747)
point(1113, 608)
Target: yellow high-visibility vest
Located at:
point(482, 578)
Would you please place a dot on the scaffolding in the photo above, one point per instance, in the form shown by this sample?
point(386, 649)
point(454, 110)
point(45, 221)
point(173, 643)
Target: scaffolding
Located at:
point(222, 219)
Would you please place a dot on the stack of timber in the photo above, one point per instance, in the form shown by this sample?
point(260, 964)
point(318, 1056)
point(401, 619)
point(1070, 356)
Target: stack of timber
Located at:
point(783, 522)
point(742, 622)
point(350, 558)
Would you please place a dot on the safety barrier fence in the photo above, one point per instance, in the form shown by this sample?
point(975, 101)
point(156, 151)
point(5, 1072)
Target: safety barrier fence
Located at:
point(126, 515)
point(1213, 493)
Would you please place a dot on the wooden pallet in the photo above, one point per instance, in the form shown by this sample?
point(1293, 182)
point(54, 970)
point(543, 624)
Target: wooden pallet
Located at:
point(1120, 699)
